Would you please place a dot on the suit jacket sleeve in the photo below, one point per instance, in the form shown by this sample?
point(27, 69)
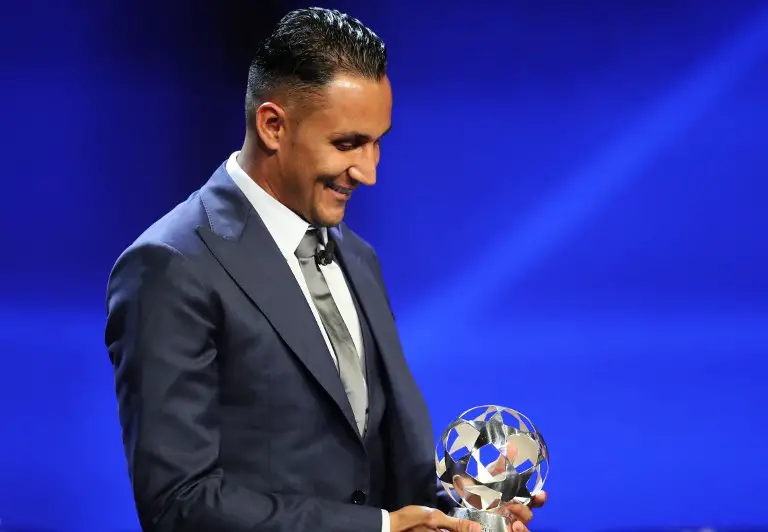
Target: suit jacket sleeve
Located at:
point(161, 335)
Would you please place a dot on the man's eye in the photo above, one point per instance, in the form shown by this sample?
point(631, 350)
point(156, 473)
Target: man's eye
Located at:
point(345, 146)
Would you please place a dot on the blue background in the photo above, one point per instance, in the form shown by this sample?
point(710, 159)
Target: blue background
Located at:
point(570, 215)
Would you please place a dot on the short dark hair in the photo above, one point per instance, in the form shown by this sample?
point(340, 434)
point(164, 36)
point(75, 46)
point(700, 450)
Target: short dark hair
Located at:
point(307, 49)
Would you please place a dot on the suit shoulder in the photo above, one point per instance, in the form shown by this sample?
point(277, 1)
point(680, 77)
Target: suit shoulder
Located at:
point(356, 240)
point(176, 229)
point(171, 237)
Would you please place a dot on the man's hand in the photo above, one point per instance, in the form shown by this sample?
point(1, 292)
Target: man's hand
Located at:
point(517, 514)
point(424, 519)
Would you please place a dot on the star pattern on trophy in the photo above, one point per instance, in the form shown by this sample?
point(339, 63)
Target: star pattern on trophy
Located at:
point(490, 456)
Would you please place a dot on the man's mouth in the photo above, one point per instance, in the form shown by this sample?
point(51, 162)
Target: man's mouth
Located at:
point(341, 190)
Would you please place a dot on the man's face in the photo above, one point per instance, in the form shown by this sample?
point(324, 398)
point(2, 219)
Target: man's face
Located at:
point(333, 146)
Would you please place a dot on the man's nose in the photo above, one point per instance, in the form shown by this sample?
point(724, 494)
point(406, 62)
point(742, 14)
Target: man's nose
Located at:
point(364, 169)
point(366, 176)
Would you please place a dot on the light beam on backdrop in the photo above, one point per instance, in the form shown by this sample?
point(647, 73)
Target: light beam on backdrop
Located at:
point(427, 326)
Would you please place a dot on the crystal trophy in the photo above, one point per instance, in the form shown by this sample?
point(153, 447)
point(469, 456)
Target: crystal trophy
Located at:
point(488, 457)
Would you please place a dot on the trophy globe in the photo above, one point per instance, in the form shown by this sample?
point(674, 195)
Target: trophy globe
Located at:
point(490, 456)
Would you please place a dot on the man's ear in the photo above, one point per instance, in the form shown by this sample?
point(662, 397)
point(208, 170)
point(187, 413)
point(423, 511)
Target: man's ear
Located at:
point(270, 124)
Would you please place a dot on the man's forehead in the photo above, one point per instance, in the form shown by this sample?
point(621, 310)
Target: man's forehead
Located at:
point(345, 83)
point(357, 103)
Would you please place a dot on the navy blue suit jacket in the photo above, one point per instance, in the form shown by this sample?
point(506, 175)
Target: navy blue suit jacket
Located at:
point(232, 412)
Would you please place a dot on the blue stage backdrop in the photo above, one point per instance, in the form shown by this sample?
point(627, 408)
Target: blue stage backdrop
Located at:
point(571, 217)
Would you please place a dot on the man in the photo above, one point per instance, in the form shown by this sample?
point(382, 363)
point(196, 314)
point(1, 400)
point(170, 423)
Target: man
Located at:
point(259, 374)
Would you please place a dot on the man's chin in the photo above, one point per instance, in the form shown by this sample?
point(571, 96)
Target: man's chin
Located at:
point(329, 217)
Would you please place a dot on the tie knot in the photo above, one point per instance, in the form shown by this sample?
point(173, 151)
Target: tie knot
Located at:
point(308, 245)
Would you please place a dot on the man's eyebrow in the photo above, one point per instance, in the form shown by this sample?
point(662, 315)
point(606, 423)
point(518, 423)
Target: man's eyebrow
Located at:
point(350, 134)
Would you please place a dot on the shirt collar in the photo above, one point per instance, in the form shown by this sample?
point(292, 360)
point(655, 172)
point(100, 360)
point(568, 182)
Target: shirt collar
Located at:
point(285, 226)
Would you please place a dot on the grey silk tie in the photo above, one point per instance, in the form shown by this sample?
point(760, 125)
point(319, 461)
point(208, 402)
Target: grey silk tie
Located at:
point(349, 364)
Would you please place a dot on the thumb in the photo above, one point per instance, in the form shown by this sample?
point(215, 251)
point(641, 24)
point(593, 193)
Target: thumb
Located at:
point(454, 524)
point(470, 526)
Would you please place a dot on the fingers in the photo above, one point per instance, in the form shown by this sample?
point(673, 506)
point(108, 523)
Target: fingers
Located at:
point(437, 520)
point(518, 526)
point(422, 518)
point(539, 499)
point(407, 518)
point(516, 512)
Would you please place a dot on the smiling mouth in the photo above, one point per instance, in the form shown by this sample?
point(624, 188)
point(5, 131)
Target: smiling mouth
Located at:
point(341, 190)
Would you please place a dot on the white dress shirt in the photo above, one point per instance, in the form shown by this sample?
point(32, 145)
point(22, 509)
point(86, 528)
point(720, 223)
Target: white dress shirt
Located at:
point(287, 229)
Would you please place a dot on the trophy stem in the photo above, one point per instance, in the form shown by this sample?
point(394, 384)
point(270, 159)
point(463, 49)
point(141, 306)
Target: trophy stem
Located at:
point(491, 522)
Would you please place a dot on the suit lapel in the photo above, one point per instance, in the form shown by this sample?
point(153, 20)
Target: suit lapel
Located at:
point(373, 301)
point(409, 427)
point(242, 245)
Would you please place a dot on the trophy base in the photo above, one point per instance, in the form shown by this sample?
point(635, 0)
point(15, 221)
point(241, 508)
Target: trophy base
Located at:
point(491, 522)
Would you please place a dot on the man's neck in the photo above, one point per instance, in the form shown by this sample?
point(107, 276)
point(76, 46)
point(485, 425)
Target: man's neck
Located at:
point(257, 166)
